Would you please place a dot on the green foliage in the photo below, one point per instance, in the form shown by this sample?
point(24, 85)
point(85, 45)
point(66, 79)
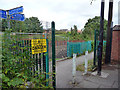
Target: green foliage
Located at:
point(59, 32)
point(81, 67)
point(74, 31)
point(91, 25)
point(4, 25)
point(31, 25)
point(71, 31)
point(16, 65)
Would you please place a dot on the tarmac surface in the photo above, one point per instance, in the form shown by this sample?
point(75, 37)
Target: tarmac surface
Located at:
point(64, 75)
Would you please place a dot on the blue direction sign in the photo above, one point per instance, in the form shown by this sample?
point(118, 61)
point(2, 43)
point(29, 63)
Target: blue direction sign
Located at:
point(3, 14)
point(18, 17)
point(16, 10)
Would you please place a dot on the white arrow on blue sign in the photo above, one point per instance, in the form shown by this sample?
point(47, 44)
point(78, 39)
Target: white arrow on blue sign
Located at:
point(16, 10)
point(3, 14)
point(18, 17)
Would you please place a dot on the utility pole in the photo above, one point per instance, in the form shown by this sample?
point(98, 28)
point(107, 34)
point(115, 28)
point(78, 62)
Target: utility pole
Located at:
point(53, 56)
point(100, 46)
point(109, 36)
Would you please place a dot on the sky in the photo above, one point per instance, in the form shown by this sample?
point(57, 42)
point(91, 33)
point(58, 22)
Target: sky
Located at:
point(65, 13)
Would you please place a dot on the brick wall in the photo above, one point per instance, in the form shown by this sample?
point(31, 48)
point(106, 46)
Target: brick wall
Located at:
point(115, 55)
point(119, 46)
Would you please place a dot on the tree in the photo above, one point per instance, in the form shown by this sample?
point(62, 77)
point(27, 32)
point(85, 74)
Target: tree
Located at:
point(16, 26)
point(91, 25)
point(71, 31)
point(33, 25)
point(75, 29)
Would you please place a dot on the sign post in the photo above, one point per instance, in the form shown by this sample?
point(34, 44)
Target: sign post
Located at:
point(100, 46)
point(109, 35)
point(53, 55)
point(13, 14)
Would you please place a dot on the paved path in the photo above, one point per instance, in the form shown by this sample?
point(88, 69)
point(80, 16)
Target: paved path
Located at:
point(64, 76)
point(64, 70)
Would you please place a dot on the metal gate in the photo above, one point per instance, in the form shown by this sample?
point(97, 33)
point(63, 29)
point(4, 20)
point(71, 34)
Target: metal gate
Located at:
point(30, 57)
point(39, 60)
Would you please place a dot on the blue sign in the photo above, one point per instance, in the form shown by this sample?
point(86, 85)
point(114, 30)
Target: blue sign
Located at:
point(18, 17)
point(3, 14)
point(16, 10)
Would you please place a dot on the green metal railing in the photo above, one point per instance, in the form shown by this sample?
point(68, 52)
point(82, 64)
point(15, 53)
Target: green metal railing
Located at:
point(38, 63)
point(78, 47)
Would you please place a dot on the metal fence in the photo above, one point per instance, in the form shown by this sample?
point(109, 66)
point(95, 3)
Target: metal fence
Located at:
point(78, 47)
point(38, 63)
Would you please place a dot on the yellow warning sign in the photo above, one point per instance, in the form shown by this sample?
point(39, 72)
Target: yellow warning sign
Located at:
point(38, 46)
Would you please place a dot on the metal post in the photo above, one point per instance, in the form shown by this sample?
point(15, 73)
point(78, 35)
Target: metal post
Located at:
point(74, 68)
point(108, 43)
point(100, 46)
point(8, 20)
point(44, 65)
point(47, 63)
point(94, 62)
point(86, 62)
point(53, 55)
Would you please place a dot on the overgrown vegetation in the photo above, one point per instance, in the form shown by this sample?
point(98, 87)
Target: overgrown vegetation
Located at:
point(88, 30)
point(81, 67)
point(16, 72)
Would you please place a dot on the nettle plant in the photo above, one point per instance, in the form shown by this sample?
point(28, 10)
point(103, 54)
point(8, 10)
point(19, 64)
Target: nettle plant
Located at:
point(16, 65)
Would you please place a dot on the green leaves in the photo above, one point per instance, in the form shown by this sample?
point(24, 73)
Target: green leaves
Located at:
point(15, 81)
point(33, 25)
point(18, 65)
point(91, 25)
point(5, 79)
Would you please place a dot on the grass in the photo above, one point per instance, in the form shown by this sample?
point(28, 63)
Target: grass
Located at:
point(80, 67)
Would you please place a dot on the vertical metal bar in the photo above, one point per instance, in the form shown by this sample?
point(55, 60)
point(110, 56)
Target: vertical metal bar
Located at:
point(44, 64)
point(108, 43)
point(47, 63)
point(53, 55)
point(40, 62)
point(8, 20)
point(94, 62)
point(37, 64)
point(33, 64)
point(20, 44)
point(100, 47)
point(25, 53)
point(30, 55)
